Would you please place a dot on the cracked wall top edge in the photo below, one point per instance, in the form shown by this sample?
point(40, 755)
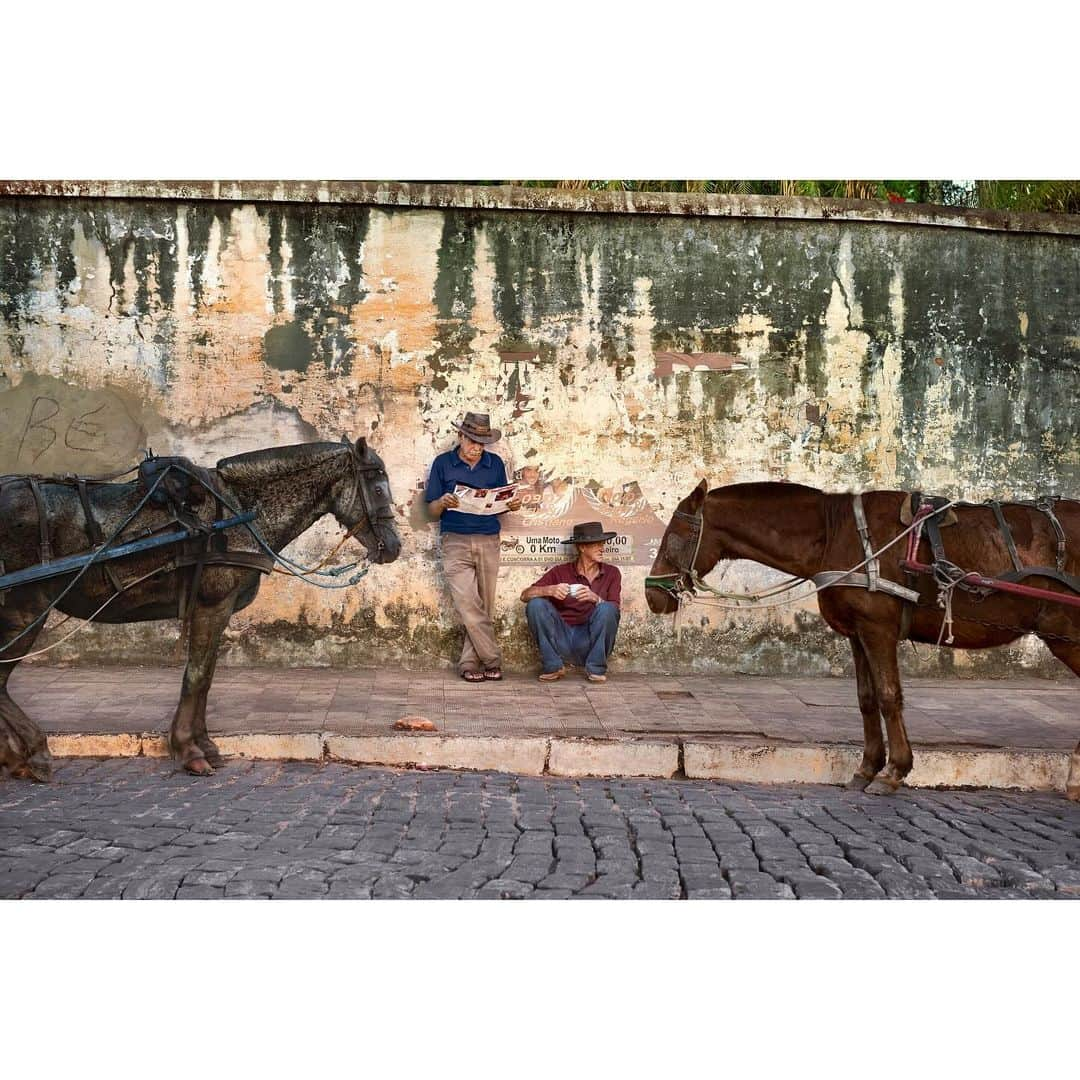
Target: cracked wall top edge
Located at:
point(461, 196)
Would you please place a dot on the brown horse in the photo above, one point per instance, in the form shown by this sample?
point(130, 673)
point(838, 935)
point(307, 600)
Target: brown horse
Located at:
point(803, 532)
point(289, 488)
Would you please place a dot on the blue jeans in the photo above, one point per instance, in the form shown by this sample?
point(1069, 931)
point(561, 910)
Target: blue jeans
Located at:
point(589, 644)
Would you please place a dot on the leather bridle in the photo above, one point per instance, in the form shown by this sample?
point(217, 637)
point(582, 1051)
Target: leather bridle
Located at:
point(373, 513)
point(682, 579)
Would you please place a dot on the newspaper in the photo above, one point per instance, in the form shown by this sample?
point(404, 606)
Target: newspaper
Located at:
point(484, 501)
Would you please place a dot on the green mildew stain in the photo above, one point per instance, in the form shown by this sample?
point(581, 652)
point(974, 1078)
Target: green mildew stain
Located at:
point(454, 297)
point(275, 220)
point(288, 347)
point(326, 276)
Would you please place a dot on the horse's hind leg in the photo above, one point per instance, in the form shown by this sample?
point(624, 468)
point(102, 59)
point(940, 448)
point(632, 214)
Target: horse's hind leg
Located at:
point(23, 746)
point(1069, 654)
point(880, 650)
point(873, 744)
point(207, 627)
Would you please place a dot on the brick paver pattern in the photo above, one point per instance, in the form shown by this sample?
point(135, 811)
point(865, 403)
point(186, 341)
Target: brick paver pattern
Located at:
point(138, 828)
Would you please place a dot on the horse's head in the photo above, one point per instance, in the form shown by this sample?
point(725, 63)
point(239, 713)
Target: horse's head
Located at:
point(678, 554)
point(363, 504)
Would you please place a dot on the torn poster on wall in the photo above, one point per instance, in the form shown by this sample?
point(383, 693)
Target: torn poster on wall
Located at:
point(552, 504)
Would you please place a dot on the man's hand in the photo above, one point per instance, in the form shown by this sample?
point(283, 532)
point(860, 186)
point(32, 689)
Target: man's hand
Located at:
point(514, 503)
point(588, 594)
point(449, 501)
point(559, 592)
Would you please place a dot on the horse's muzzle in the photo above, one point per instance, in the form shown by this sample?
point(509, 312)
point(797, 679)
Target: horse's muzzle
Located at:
point(660, 601)
point(389, 546)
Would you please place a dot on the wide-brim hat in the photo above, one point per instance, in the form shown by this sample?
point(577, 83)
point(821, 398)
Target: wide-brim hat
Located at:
point(589, 532)
point(478, 427)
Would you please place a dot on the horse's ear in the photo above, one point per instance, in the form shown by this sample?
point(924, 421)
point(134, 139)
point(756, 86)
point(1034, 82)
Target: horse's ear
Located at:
point(360, 449)
point(697, 496)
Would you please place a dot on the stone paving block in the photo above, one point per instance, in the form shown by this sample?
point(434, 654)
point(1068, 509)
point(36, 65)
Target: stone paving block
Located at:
point(719, 891)
point(811, 886)
point(505, 889)
point(748, 885)
point(1023, 877)
point(660, 890)
point(1066, 880)
point(900, 885)
point(972, 872)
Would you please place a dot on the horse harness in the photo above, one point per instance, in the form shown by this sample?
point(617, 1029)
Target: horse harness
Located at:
point(169, 483)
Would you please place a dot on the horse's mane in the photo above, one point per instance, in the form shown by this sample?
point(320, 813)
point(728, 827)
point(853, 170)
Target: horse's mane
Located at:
point(258, 465)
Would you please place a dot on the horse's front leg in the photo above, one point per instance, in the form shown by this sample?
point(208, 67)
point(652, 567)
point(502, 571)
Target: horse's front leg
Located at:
point(873, 744)
point(188, 740)
point(881, 646)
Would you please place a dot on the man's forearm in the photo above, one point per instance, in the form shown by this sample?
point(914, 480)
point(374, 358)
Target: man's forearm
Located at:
point(435, 508)
point(533, 591)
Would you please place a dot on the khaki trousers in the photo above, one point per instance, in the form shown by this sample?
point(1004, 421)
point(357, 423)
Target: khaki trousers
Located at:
point(471, 565)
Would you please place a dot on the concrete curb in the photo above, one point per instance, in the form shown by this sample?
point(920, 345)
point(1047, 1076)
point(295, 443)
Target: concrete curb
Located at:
point(730, 761)
point(512, 754)
point(1030, 770)
point(617, 757)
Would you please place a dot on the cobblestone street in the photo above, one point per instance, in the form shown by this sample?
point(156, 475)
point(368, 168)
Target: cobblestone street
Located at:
point(136, 828)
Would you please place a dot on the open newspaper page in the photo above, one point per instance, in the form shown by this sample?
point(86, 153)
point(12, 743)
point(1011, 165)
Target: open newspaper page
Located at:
point(484, 501)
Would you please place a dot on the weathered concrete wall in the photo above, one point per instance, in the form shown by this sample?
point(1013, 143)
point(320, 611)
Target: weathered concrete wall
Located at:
point(845, 346)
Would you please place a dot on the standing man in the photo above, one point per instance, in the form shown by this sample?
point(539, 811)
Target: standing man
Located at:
point(573, 610)
point(470, 542)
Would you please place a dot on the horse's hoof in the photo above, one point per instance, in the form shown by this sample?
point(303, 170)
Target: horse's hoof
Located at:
point(33, 770)
point(882, 786)
point(199, 767)
point(214, 756)
point(858, 783)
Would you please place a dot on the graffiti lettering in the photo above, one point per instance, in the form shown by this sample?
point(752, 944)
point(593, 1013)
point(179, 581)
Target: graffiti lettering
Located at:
point(83, 434)
point(35, 422)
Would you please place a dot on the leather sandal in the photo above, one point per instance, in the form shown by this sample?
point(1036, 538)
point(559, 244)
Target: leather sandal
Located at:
point(473, 676)
point(551, 676)
point(493, 674)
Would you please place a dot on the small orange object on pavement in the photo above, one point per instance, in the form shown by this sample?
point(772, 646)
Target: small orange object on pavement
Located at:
point(414, 723)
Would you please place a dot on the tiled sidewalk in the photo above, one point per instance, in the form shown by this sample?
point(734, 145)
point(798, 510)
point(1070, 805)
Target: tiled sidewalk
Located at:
point(1021, 713)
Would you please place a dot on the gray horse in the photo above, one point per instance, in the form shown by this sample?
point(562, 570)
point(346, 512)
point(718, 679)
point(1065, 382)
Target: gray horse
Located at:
point(203, 581)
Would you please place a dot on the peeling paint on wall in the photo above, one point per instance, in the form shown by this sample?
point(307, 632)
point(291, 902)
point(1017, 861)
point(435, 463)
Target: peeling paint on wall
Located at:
point(641, 352)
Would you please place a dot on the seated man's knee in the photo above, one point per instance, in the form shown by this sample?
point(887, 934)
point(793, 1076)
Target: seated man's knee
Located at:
point(538, 605)
point(608, 611)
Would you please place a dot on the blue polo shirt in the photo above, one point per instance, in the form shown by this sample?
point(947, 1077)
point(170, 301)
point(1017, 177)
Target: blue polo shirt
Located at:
point(447, 471)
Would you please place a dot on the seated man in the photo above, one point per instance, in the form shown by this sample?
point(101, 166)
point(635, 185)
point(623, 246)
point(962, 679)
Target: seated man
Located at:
point(573, 610)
